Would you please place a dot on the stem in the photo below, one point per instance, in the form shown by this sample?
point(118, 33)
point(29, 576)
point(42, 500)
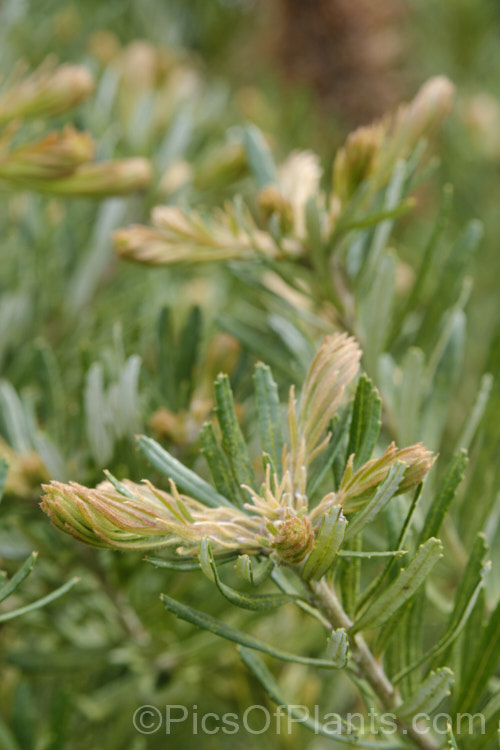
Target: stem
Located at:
point(368, 667)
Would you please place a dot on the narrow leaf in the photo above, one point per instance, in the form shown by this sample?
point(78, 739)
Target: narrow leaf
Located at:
point(481, 663)
point(232, 437)
point(188, 563)
point(384, 493)
point(433, 690)
point(39, 603)
point(328, 540)
point(403, 588)
point(186, 479)
point(219, 465)
point(269, 414)
point(265, 678)
point(187, 351)
point(259, 156)
point(338, 646)
point(445, 494)
point(471, 583)
point(365, 422)
point(207, 622)
point(4, 470)
point(165, 354)
point(255, 574)
point(18, 577)
point(245, 601)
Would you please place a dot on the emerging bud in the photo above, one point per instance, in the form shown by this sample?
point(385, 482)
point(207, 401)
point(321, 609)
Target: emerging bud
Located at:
point(46, 92)
point(104, 179)
point(140, 516)
point(294, 540)
point(432, 104)
point(358, 487)
point(179, 236)
point(332, 369)
point(356, 161)
point(272, 201)
point(55, 156)
point(299, 178)
point(26, 471)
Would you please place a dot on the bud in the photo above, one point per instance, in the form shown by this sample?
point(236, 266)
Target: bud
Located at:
point(294, 540)
point(104, 179)
point(419, 462)
point(356, 161)
point(26, 471)
point(46, 92)
point(358, 487)
point(126, 515)
point(414, 121)
point(332, 369)
point(299, 178)
point(180, 236)
point(272, 202)
point(55, 156)
point(432, 104)
point(102, 517)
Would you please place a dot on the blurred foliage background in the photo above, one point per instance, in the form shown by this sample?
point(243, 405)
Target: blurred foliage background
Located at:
point(83, 336)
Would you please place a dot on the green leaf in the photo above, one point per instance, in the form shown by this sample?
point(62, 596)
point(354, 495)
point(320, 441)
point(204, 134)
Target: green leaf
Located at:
point(265, 678)
point(433, 690)
point(327, 543)
point(338, 644)
point(220, 468)
point(410, 396)
point(259, 156)
point(245, 601)
point(269, 414)
point(186, 356)
point(430, 254)
point(450, 281)
point(402, 589)
point(392, 199)
point(471, 583)
point(444, 496)
point(39, 603)
point(166, 360)
point(207, 622)
point(119, 486)
point(4, 470)
point(186, 479)
point(8, 588)
point(481, 663)
point(232, 437)
point(97, 416)
point(477, 412)
point(368, 554)
point(385, 492)
point(365, 422)
point(350, 575)
point(14, 418)
point(335, 450)
point(7, 739)
point(376, 310)
point(186, 564)
point(247, 570)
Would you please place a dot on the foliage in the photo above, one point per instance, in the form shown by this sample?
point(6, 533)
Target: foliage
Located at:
point(350, 571)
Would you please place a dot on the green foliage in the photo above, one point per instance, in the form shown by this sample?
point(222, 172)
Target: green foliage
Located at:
point(276, 252)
